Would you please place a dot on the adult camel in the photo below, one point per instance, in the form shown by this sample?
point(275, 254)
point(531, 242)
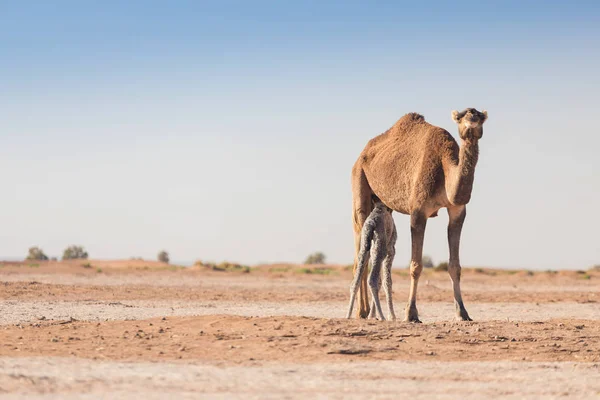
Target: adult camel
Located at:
point(416, 168)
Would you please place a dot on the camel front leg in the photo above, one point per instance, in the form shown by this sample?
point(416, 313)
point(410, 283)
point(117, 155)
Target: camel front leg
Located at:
point(417, 230)
point(456, 216)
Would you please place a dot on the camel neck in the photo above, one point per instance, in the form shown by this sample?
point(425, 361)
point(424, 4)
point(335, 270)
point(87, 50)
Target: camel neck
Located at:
point(461, 183)
point(468, 156)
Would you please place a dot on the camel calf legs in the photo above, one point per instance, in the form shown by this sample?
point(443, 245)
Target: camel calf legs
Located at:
point(374, 241)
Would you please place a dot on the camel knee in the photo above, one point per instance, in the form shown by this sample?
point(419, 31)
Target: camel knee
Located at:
point(387, 279)
point(354, 284)
point(415, 269)
point(374, 282)
point(360, 216)
point(454, 269)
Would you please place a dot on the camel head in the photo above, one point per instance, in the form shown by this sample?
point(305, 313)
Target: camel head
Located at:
point(470, 123)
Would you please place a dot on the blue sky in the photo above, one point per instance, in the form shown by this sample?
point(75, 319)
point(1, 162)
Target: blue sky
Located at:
point(227, 130)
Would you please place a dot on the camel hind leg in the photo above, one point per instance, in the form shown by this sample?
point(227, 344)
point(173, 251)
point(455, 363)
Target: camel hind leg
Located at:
point(379, 253)
point(387, 273)
point(373, 312)
point(362, 205)
point(417, 230)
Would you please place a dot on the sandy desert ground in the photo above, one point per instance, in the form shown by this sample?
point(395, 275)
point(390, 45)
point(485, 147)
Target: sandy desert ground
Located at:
point(104, 329)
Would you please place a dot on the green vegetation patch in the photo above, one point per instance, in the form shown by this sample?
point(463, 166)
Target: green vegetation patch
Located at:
point(316, 271)
point(224, 266)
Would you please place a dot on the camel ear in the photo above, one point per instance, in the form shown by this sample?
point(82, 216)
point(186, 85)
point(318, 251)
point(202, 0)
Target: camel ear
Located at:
point(455, 116)
point(484, 112)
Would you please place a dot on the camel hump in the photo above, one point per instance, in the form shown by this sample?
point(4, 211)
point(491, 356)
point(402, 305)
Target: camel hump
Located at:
point(406, 123)
point(412, 117)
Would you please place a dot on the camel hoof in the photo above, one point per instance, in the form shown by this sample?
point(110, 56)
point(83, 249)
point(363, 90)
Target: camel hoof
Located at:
point(412, 315)
point(467, 318)
point(463, 316)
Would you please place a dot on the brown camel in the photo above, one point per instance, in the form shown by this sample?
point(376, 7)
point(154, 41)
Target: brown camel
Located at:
point(416, 168)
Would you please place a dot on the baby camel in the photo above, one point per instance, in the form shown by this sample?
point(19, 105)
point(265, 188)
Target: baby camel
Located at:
point(378, 230)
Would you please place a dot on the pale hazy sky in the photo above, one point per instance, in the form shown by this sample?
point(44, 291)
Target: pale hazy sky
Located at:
point(227, 130)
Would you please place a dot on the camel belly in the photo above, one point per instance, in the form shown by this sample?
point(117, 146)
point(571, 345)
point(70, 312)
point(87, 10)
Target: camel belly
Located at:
point(403, 200)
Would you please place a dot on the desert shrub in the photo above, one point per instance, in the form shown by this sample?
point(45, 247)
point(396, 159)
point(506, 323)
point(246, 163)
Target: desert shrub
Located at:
point(224, 266)
point(316, 271)
point(315, 258)
point(163, 256)
point(75, 253)
point(205, 264)
point(427, 262)
point(227, 266)
point(35, 253)
point(86, 265)
point(285, 268)
point(305, 271)
point(443, 266)
point(596, 267)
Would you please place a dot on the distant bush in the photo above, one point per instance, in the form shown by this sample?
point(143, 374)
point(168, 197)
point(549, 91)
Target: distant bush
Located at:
point(443, 266)
point(205, 264)
point(427, 262)
point(223, 267)
point(75, 253)
point(316, 271)
point(163, 256)
point(315, 258)
point(35, 253)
